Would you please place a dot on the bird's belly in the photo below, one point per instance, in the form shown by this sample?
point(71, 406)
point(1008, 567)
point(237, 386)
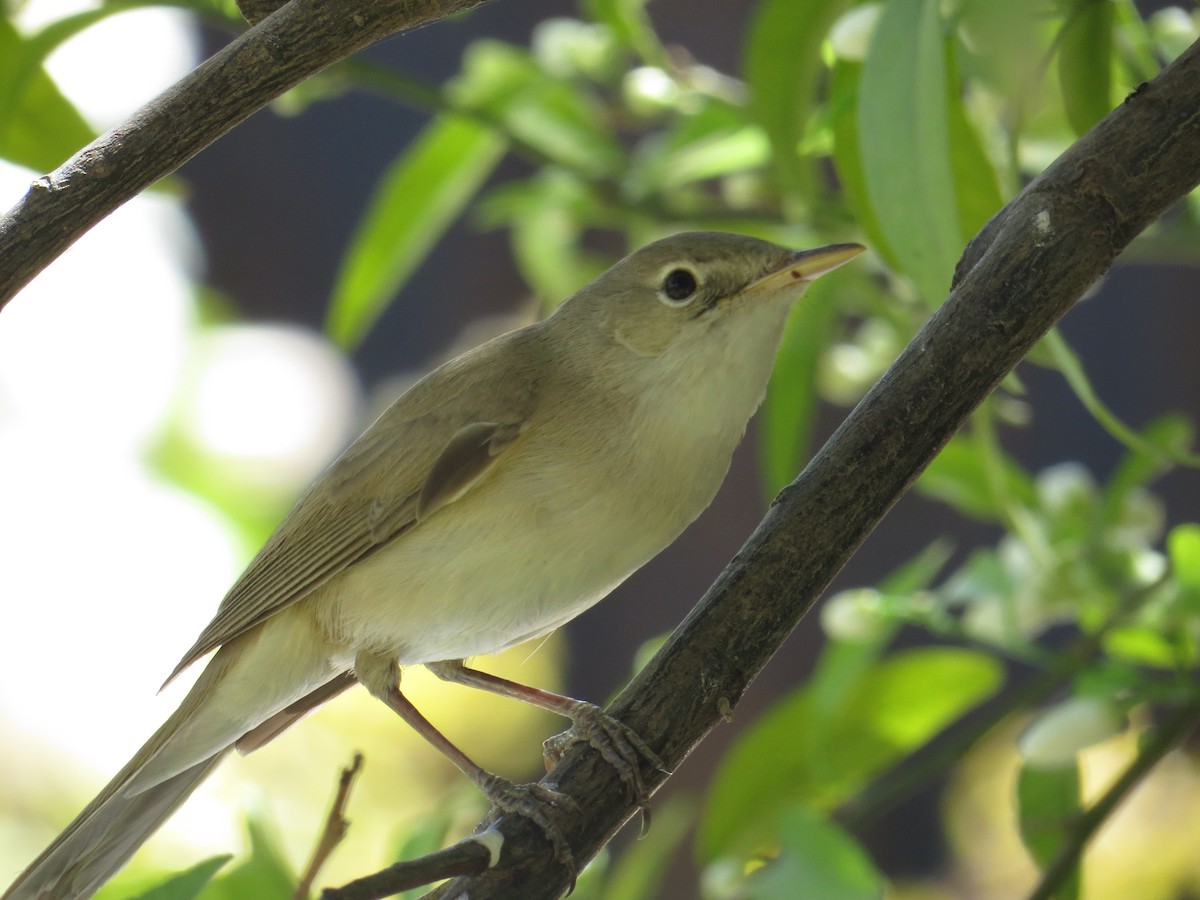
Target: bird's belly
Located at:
point(461, 585)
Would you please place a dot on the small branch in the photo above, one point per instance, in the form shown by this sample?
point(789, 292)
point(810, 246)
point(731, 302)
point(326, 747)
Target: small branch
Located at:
point(334, 831)
point(298, 40)
point(469, 857)
point(1162, 741)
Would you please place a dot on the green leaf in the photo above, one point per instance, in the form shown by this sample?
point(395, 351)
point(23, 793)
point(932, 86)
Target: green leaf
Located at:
point(187, 884)
point(1069, 365)
point(782, 66)
point(817, 859)
point(960, 476)
point(1162, 439)
point(819, 746)
point(421, 194)
point(843, 120)
point(791, 404)
point(546, 216)
point(1183, 550)
point(264, 875)
point(715, 140)
point(39, 128)
point(640, 868)
point(550, 116)
point(904, 142)
point(1085, 55)
point(1047, 807)
point(632, 26)
point(976, 183)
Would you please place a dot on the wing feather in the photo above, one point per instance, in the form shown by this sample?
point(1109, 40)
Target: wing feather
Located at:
point(371, 494)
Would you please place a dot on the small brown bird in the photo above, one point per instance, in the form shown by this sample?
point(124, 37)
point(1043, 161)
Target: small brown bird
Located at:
point(501, 496)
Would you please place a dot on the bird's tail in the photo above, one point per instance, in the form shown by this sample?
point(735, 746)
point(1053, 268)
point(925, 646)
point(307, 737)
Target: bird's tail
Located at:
point(103, 837)
point(251, 690)
point(130, 807)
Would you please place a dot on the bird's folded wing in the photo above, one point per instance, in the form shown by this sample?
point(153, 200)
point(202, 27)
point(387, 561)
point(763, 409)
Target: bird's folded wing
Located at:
point(416, 458)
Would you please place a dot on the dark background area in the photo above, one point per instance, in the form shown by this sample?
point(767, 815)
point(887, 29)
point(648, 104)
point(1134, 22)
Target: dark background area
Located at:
point(273, 247)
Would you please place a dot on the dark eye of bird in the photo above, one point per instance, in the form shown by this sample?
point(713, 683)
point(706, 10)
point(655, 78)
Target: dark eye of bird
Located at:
point(679, 284)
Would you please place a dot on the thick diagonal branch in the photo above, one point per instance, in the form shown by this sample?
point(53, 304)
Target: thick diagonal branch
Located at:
point(1023, 272)
point(297, 41)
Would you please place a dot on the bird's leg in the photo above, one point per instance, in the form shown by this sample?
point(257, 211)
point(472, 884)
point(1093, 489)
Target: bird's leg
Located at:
point(382, 678)
point(619, 745)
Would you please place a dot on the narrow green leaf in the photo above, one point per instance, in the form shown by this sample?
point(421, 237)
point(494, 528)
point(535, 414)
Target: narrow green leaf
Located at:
point(420, 195)
point(632, 26)
point(820, 754)
point(782, 66)
point(816, 859)
point(264, 875)
point(960, 477)
point(791, 404)
point(1047, 806)
point(904, 142)
point(552, 116)
point(1168, 435)
point(641, 867)
point(976, 183)
point(1068, 363)
point(186, 884)
point(1183, 548)
point(847, 159)
point(1085, 57)
point(39, 128)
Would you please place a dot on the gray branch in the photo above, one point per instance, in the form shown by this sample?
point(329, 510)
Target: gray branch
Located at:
point(292, 44)
point(1017, 278)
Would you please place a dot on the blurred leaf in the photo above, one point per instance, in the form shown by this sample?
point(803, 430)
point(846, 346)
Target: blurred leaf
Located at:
point(960, 477)
point(39, 128)
point(791, 404)
point(631, 25)
point(843, 103)
point(186, 884)
point(976, 184)
point(263, 876)
point(817, 859)
point(1085, 47)
point(904, 142)
point(1069, 365)
point(920, 571)
point(427, 835)
point(551, 116)
point(715, 140)
point(1183, 549)
point(819, 754)
point(421, 194)
point(1047, 806)
point(782, 65)
point(1161, 439)
point(546, 216)
point(639, 870)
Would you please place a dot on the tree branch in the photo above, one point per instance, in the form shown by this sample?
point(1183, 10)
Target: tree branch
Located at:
point(295, 42)
point(1017, 278)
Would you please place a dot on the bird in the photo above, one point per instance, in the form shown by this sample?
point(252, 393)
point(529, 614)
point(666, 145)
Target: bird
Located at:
point(502, 495)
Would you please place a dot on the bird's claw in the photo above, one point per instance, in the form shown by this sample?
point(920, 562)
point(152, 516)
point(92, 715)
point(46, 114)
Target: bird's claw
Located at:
point(619, 745)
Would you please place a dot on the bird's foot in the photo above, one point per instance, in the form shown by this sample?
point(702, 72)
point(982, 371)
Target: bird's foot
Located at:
point(530, 801)
point(619, 745)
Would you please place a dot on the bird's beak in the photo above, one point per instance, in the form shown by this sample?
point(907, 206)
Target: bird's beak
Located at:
point(805, 265)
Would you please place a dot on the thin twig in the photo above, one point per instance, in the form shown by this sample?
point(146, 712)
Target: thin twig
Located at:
point(1163, 739)
point(334, 831)
point(469, 857)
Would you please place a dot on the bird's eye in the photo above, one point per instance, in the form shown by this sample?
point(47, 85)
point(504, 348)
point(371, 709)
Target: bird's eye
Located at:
point(679, 285)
